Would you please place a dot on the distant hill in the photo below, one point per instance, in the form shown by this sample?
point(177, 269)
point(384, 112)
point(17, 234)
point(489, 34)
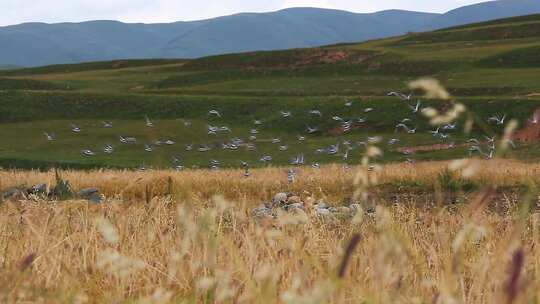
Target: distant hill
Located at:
point(35, 44)
point(8, 67)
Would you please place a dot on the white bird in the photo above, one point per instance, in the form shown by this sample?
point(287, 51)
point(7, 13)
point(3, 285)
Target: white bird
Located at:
point(247, 173)
point(443, 135)
point(254, 131)
point(291, 176)
point(225, 129)
point(257, 122)
point(393, 141)
point(187, 123)
point(286, 114)
point(406, 120)
point(107, 124)
point(346, 155)
point(450, 126)
point(316, 166)
point(333, 149)
point(212, 130)
point(367, 110)
point(497, 119)
point(252, 137)
point(75, 128)
point(204, 148)
point(266, 158)
point(337, 118)
point(128, 140)
point(348, 103)
point(374, 139)
point(148, 148)
point(283, 148)
point(189, 147)
point(416, 107)
point(214, 163)
point(108, 149)
point(276, 140)
point(410, 161)
point(298, 160)
point(490, 140)
point(301, 138)
point(402, 126)
point(149, 123)
point(214, 112)
point(312, 130)
point(315, 112)
point(435, 132)
point(49, 136)
point(346, 125)
point(400, 95)
point(88, 152)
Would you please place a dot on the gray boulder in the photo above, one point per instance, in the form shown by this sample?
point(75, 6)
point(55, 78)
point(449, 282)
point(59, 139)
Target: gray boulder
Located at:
point(91, 195)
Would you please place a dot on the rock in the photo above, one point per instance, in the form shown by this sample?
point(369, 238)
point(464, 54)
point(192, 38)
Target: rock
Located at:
point(90, 194)
point(262, 212)
point(294, 200)
point(279, 199)
point(14, 193)
point(294, 206)
point(323, 212)
point(38, 189)
point(321, 205)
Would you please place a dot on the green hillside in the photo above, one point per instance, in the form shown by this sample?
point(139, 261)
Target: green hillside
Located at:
point(492, 67)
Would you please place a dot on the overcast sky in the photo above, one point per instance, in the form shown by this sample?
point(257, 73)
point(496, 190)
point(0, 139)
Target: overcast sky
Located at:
point(151, 11)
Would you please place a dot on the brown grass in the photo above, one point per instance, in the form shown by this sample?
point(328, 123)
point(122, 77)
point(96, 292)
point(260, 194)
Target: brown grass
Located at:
point(164, 237)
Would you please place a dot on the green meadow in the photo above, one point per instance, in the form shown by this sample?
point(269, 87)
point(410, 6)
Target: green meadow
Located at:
point(493, 68)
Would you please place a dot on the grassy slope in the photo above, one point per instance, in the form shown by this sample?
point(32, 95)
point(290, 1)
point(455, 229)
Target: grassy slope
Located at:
point(494, 61)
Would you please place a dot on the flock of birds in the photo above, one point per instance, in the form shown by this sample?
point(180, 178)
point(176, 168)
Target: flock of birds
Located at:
point(484, 147)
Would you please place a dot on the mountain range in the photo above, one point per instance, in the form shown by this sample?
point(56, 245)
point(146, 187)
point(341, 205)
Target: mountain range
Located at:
point(36, 44)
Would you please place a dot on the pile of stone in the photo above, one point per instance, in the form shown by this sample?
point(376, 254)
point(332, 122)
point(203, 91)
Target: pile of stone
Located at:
point(287, 202)
point(61, 191)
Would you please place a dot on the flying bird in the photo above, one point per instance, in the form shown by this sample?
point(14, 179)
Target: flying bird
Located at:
point(49, 136)
point(75, 128)
point(214, 112)
point(315, 112)
point(149, 123)
point(88, 152)
point(108, 149)
point(128, 140)
point(497, 119)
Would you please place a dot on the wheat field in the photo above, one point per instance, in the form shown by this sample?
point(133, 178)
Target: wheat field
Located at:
point(188, 237)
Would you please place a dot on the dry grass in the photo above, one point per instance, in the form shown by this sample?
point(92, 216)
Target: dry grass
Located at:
point(163, 237)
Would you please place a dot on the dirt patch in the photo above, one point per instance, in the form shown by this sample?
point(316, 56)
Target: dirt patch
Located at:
point(430, 148)
point(531, 132)
point(323, 57)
